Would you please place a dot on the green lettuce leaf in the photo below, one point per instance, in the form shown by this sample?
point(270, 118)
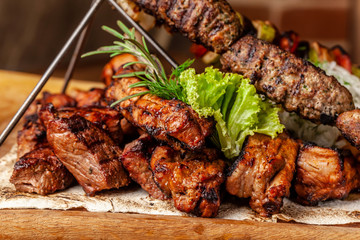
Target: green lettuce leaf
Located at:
point(233, 102)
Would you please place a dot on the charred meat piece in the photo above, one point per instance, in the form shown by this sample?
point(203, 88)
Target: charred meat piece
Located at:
point(212, 23)
point(171, 121)
point(106, 118)
point(115, 67)
point(59, 100)
point(295, 83)
point(31, 136)
point(136, 160)
point(41, 172)
point(92, 98)
point(323, 173)
point(263, 172)
point(349, 125)
point(33, 133)
point(192, 179)
point(88, 153)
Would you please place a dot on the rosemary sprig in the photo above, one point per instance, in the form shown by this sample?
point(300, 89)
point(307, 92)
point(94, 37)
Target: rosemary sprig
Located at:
point(154, 77)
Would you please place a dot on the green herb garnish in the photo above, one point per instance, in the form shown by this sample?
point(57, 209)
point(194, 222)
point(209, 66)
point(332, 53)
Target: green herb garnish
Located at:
point(154, 76)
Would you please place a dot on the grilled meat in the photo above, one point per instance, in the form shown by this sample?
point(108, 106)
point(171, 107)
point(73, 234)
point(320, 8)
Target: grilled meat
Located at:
point(136, 160)
point(284, 78)
point(263, 172)
point(192, 179)
point(323, 173)
point(92, 98)
point(88, 153)
point(106, 118)
point(171, 121)
point(59, 100)
point(33, 133)
point(212, 23)
point(115, 67)
point(349, 125)
point(31, 136)
point(41, 172)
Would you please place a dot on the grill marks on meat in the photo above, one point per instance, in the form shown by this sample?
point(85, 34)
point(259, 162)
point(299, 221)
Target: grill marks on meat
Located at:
point(171, 121)
point(192, 179)
point(88, 153)
point(295, 83)
point(41, 172)
point(106, 118)
point(212, 23)
point(322, 174)
point(37, 168)
point(264, 172)
point(349, 125)
point(136, 160)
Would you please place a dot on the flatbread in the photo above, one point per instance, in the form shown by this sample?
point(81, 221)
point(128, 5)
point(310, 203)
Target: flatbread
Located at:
point(135, 200)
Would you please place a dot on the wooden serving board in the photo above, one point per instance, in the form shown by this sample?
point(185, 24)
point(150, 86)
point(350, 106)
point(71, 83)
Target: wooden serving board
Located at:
point(78, 224)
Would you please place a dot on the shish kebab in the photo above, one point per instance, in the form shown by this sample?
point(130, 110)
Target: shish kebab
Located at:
point(284, 78)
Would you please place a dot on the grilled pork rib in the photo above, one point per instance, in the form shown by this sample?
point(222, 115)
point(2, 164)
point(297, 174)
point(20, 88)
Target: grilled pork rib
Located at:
point(92, 98)
point(87, 152)
point(295, 83)
point(192, 179)
point(264, 172)
point(324, 173)
point(212, 23)
point(171, 121)
point(136, 160)
point(41, 172)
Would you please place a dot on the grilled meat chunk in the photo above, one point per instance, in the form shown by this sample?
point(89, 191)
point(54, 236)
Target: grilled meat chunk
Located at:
point(212, 23)
point(115, 67)
point(136, 160)
point(349, 125)
point(295, 83)
point(92, 98)
point(88, 153)
point(33, 133)
point(171, 121)
point(31, 136)
point(59, 100)
point(322, 174)
point(41, 172)
point(263, 172)
point(192, 179)
point(106, 118)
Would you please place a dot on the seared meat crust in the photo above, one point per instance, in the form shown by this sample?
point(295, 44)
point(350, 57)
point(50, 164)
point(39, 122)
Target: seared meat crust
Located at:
point(171, 121)
point(263, 172)
point(88, 153)
point(349, 125)
point(136, 160)
point(322, 174)
point(41, 172)
point(92, 98)
point(212, 23)
point(295, 83)
point(192, 179)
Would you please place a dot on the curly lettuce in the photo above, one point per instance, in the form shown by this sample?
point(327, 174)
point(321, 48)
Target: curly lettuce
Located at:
point(233, 102)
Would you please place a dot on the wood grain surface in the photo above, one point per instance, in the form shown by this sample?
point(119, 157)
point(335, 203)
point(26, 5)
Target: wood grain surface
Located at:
point(78, 224)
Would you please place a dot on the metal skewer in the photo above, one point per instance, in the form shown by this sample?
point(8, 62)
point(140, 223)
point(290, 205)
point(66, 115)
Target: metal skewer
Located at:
point(145, 34)
point(76, 53)
point(48, 72)
point(82, 29)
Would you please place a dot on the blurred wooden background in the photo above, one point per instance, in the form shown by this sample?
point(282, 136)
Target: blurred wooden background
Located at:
point(32, 32)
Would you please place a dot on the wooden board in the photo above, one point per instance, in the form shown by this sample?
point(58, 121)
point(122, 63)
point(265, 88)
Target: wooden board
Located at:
point(76, 224)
